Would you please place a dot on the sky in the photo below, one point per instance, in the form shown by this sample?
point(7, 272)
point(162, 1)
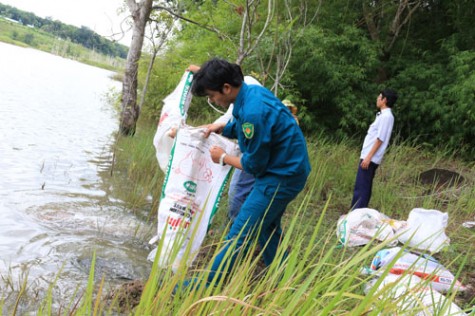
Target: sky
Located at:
point(100, 16)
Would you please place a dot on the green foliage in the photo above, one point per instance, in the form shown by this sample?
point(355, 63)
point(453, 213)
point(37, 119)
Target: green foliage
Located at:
point(338, 63)
point(333, 72)
point(200, 43)
point(86, 307)
point(29, 38)
point(436, 104)
point(338, 66)
point(135, 171)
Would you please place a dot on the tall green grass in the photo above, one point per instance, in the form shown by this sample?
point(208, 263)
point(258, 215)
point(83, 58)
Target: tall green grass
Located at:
point(318, 277)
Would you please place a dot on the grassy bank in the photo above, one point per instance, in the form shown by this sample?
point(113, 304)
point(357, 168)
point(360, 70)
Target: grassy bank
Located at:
point(319, 277)
point(20, 35)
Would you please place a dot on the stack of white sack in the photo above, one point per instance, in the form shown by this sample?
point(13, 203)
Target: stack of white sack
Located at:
point(400, 262)
point(362, 225)
point(415, 282)
point(409, 295)
point(424, 230)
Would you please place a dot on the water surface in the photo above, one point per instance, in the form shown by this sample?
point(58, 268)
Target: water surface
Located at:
point(56, 201)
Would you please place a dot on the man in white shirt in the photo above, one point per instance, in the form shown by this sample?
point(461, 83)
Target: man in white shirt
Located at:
point(374, 146)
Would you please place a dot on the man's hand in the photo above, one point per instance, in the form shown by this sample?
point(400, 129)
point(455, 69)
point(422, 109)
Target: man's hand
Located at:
point(214, 128)
point(216, 153)
point(193, 68)
point(172, 132)
point(365, 163)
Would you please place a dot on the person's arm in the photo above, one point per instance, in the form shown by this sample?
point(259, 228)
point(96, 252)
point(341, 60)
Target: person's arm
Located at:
point(216, 153)
point(384, 133)
point(215, 127)
point(367, 160)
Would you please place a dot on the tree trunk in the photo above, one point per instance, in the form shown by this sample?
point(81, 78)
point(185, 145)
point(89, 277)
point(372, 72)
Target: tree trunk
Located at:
point(130, 111)
point(147, 79)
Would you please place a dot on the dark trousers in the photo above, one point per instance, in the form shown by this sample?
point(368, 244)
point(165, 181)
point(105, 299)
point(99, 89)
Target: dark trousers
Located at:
point(363, 186)
point(239, 188)
point(260, 215)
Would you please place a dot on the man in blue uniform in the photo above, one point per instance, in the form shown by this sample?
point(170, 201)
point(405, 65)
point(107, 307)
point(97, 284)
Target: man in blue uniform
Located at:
point(273, 150)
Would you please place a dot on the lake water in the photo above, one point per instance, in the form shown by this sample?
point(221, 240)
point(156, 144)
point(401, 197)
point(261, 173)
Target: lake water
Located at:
point(56, 202)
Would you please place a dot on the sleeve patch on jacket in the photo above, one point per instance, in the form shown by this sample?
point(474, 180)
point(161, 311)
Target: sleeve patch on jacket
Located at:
point(248, 130)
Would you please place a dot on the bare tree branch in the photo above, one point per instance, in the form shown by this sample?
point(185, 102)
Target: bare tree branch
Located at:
point(176, 15)
point(246, 42)
point(397, 24)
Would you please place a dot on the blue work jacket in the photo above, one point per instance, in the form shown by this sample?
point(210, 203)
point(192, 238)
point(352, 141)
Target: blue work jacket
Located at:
point(269, 137)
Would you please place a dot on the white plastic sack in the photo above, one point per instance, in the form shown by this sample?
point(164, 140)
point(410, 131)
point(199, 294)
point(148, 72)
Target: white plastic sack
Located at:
point(422, 266)
point(363, 224)
point(425, 230)
point(413, 298)
point(173, 115)
point(468, 224)
point(191, 192)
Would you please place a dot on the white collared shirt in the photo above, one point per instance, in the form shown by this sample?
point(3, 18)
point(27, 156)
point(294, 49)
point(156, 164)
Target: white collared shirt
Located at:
point(380, 129)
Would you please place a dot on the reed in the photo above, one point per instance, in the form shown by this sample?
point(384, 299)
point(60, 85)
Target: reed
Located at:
point(318, 277)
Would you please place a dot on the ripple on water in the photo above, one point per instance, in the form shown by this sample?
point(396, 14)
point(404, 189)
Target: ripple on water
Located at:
point(56, 207)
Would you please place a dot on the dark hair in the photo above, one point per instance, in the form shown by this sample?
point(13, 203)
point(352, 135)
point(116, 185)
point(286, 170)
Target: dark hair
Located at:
point(214, 74)
point(390, 96)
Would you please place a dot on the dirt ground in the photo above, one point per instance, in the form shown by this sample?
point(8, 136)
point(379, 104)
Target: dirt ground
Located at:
point(441, 178)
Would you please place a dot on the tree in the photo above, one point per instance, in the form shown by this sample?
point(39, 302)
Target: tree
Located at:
point(385, 20)
point(248, 41)
point(140, 12)
point(292, 18)
point(160, 30)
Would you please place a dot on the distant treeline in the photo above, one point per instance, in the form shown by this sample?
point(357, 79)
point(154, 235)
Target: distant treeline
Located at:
point(83, 35)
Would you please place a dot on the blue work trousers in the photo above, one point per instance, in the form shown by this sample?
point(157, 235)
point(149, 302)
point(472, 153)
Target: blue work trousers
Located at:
point(363, 186)
point(239, 188)
point(264, 206)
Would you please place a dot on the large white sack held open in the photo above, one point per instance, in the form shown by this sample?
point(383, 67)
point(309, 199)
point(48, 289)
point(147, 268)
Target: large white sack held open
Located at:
point(173, 115)
point(190, 195)
point(425, 230)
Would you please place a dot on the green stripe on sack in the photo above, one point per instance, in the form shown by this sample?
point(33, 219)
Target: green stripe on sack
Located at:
point(169, 167)
point(343, 231)
point(218, 197)
point(185, 92)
